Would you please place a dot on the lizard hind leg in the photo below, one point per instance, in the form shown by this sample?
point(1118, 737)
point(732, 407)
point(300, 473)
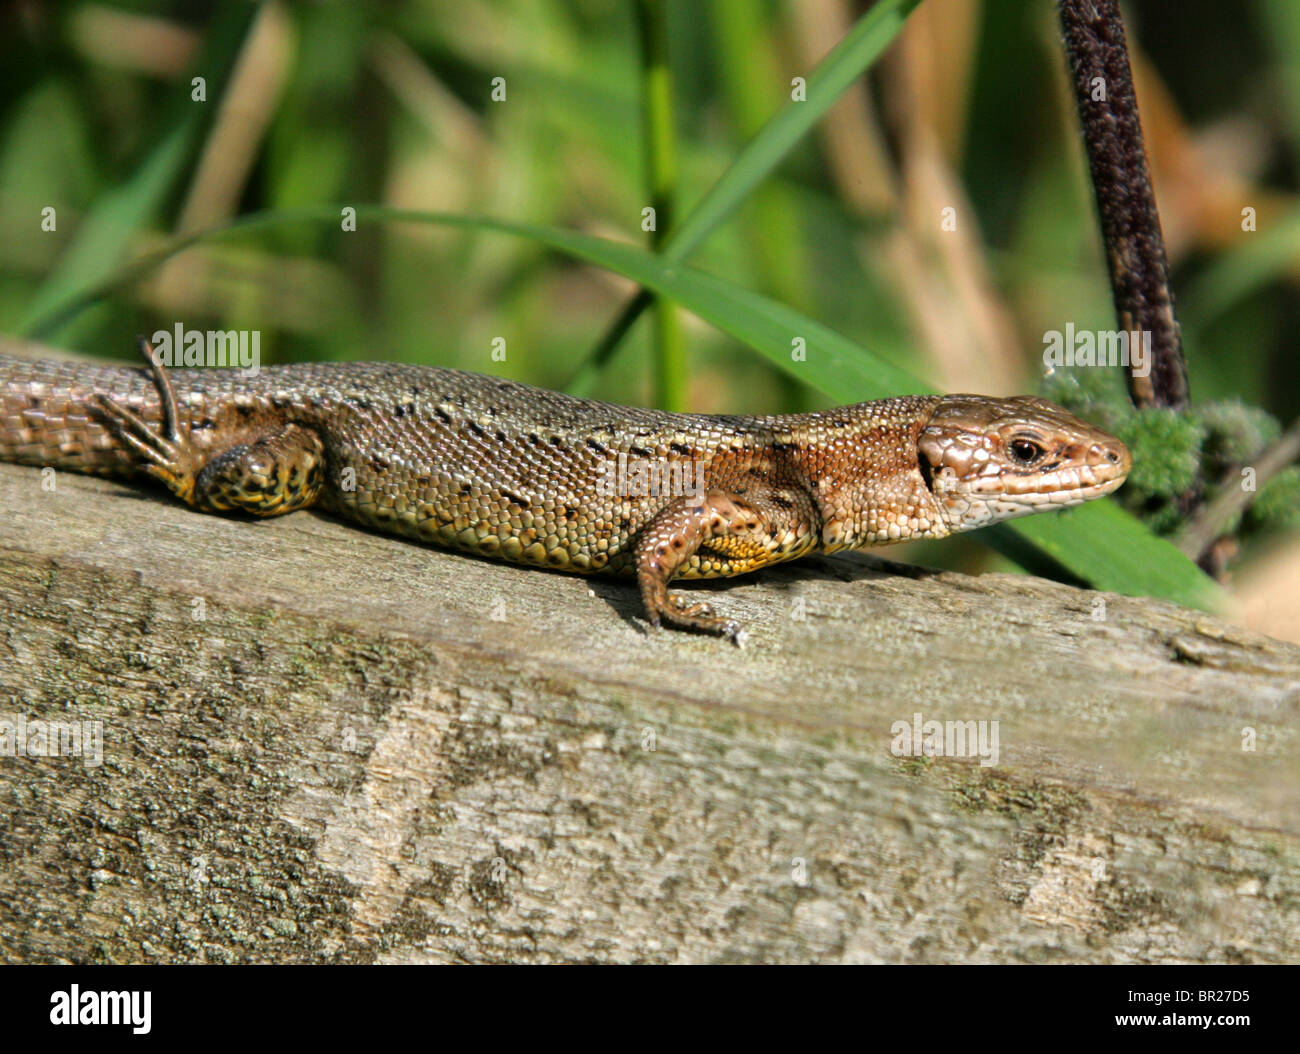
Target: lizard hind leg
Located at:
point(274, 473)
point(278, 471)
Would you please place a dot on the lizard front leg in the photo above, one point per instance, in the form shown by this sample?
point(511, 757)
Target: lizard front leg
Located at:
point(718, 533)
point(270, 474)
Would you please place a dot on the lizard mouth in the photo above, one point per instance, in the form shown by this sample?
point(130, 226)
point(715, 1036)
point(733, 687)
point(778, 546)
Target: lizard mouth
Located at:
point(1064, 481)
point(967, 504)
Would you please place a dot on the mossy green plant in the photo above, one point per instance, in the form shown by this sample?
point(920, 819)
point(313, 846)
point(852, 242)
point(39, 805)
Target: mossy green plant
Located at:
point(1174, 452)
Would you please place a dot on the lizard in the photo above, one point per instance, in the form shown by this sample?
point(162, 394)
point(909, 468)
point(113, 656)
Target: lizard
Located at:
point(506, 470)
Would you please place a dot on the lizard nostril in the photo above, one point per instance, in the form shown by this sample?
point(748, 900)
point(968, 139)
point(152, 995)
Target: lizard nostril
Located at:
point(1108, 452)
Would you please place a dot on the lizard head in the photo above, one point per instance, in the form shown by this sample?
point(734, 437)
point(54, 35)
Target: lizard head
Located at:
point(987, 460)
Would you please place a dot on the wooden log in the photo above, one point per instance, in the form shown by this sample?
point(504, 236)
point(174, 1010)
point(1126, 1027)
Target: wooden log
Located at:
point(325, 745)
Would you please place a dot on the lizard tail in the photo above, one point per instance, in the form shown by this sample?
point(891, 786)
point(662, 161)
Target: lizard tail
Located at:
point(50, 414)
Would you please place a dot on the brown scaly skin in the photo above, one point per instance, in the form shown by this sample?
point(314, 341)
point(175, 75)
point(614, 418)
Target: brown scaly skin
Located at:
point(518, 473)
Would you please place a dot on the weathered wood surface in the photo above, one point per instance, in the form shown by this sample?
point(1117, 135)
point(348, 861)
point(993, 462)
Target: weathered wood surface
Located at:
point(366, 750)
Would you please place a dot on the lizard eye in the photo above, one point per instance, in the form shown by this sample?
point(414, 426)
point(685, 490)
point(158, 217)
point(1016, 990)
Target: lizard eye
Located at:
point(1024, 451)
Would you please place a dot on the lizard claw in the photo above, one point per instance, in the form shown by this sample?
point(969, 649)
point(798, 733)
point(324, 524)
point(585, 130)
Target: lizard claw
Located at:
point(147, 441)
point(699, 618)
point(164, 448)
point(700, 609)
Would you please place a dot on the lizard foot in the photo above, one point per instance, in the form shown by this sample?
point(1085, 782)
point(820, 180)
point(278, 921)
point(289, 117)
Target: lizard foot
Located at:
point(267, 471)
point(698, 617)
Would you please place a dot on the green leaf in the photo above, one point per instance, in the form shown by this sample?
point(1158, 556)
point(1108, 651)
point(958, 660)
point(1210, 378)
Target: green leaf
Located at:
point(1108, 548)
point(834, 363)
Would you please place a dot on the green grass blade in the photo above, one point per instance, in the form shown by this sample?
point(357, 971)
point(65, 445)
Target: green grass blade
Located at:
point(660, 140)
point(107, 234)
point(847, 61)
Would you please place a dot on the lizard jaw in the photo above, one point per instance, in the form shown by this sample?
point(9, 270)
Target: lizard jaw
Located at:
point(967, 508)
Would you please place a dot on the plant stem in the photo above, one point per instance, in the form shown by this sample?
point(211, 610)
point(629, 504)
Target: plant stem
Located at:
point(1126, 204)
point(1212, 521)
point(661, 169)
